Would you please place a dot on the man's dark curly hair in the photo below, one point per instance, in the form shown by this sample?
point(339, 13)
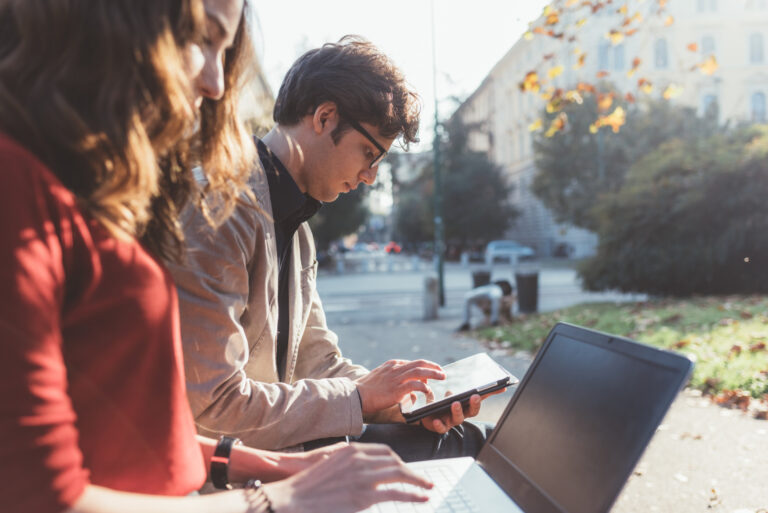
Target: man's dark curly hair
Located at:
point(363, 83)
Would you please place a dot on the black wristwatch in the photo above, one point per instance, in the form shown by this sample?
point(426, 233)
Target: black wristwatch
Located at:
point(220, 462)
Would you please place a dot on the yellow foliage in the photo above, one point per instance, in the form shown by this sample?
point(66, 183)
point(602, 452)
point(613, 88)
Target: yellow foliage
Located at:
point(555, 72)
point(615, 36)
point(556, 125)
point(535, 126)
point(672, 91)
point(709, 66)
point(580, 63)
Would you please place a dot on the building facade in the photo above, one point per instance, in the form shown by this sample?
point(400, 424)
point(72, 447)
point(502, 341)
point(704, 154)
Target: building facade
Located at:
point(670, 46)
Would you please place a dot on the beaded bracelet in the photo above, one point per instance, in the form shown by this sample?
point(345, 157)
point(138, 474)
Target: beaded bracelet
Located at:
point(257, 496)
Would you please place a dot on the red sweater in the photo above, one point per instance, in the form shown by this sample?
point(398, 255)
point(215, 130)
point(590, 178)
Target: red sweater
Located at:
point(91, 371)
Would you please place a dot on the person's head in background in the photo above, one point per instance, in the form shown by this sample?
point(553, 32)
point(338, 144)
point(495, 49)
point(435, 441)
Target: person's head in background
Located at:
point(343, 104)
point(505, 286)
point(97, 90)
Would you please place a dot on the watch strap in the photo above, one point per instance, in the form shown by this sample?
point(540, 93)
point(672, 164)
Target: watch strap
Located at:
point(220, 462)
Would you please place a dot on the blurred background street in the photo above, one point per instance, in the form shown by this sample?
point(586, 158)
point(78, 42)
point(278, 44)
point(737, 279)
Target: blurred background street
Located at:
point(703, 457)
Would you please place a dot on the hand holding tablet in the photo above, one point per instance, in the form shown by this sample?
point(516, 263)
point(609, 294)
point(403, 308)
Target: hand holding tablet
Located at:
point(477, 374)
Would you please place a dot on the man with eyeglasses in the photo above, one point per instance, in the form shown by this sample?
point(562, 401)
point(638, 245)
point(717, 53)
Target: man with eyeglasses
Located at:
point(261, 363)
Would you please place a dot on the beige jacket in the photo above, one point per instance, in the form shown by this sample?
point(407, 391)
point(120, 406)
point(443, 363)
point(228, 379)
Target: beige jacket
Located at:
point(228, 301)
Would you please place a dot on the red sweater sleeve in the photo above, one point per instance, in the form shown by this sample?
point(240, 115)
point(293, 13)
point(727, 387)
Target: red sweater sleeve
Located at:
point(40, 463)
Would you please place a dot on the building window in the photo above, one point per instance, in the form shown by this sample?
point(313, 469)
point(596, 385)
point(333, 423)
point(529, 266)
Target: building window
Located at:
point(708, 45)
point(709, 105)
point(618, 57)
point(660, 53)
point(758, 107)
point(756, 48)
point(602, 55)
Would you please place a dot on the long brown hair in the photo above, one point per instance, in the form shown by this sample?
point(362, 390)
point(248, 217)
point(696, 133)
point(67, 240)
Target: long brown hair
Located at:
point(97, 90)
point(221, 149)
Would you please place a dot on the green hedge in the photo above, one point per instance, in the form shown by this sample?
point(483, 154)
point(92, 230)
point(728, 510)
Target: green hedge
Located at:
point(691, 218)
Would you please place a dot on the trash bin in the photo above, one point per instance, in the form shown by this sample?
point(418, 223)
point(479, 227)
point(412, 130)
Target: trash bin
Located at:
point(480, 277)
point(527, 291)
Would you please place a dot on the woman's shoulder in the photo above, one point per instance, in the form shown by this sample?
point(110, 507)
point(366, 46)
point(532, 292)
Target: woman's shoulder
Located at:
point(23, 173)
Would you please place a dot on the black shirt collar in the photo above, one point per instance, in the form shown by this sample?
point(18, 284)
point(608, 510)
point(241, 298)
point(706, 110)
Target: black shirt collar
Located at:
point(289, 204)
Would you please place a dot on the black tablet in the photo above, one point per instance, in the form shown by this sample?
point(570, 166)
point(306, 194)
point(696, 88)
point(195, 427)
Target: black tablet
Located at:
point(476, 374)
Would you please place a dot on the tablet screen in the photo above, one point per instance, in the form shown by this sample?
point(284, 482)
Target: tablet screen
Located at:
point(473, 372)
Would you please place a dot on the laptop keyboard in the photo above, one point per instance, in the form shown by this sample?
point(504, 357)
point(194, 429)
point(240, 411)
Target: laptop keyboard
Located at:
point(445, 497)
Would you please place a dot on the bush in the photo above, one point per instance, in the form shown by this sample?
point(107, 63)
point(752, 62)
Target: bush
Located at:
point(691, 218)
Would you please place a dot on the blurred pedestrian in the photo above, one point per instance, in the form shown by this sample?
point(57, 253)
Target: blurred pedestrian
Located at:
point(495, 299)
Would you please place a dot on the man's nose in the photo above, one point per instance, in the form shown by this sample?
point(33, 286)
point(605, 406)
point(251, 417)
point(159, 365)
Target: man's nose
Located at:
point(368, 175)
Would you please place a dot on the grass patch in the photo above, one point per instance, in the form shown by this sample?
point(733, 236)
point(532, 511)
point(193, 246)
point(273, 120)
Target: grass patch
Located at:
point(727, 337)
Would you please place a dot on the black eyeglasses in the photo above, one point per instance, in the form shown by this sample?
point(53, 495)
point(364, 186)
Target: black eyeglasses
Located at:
point(382, 152)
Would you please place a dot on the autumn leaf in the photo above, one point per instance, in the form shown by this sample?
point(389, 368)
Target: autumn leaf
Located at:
point(571, 3)
point(535, 126)
point(669, 21)
point(693, 47)
point(630, 98)
point(581, 22)
point(604, 101)
point(557, 125)
point(615, 36)
point(528, 35)
point(531, 82)
point(672, 91)
point(553, 19)
point(709, 66)
point(584, 87)
point(554, 106)
point(662, 4)
point(635, 64)
point(615, 120)
point(555, 72)
point(602, 74)
point(638, 17)
point(630, 32)
point(540, 30)
point(574, 97)
point(645, 85)
point(580, 63)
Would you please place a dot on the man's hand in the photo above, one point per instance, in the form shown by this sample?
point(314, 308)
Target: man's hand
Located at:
point(387, 384)
point(442, 422)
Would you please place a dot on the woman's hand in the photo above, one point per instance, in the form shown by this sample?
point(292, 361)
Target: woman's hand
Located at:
point(346, 479)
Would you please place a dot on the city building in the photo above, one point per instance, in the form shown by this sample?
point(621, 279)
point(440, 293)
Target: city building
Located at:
point(671, 46)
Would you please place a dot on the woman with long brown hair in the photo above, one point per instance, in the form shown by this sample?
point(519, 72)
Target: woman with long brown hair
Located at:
point(94, 416)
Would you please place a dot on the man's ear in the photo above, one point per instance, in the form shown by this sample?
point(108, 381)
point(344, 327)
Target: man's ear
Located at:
point(325, 117)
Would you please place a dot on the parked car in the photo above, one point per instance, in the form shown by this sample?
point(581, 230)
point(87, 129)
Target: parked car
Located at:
point(392, 247)
point(508, 251)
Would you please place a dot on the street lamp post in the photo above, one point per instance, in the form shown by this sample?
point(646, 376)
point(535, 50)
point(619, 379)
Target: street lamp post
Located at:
point(438, 192)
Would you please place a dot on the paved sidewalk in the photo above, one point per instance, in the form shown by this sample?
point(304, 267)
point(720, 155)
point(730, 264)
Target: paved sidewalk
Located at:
point(703, 458)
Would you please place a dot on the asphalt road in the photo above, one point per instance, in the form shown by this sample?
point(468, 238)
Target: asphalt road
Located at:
point(703, 458)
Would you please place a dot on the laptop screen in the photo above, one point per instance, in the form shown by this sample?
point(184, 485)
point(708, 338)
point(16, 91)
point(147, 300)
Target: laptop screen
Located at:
point(582, 418)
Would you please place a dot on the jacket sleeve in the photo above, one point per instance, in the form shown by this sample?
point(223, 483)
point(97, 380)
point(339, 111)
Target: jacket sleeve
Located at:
point(215, 283)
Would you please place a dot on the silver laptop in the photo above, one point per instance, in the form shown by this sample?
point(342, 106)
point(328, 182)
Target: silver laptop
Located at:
point(571, 435)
